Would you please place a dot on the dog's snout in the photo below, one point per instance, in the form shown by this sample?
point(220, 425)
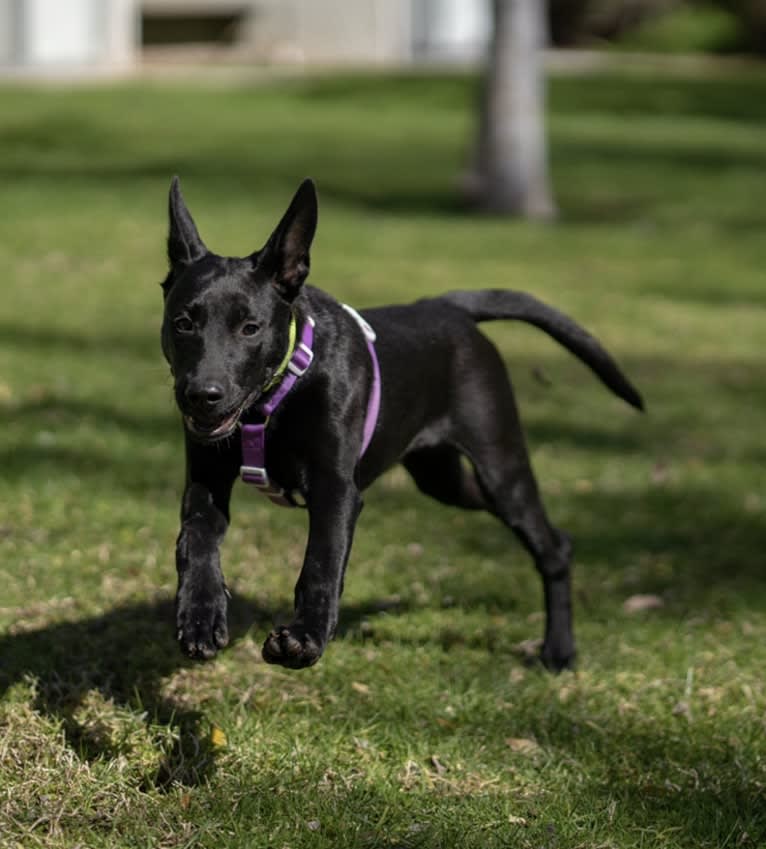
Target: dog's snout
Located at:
point(205, 394)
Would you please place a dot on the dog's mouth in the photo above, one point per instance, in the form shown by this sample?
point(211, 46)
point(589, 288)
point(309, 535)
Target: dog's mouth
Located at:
point(213, 432)
point(206, 431)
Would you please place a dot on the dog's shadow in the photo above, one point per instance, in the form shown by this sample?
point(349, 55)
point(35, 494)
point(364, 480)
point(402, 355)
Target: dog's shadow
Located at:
point(124, 655)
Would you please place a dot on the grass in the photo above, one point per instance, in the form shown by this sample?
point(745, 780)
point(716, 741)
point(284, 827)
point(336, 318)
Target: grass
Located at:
point(422, 726)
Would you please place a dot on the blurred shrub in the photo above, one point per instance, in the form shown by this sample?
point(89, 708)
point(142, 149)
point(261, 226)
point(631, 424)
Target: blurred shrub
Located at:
point(580, 21)
point(752, 17)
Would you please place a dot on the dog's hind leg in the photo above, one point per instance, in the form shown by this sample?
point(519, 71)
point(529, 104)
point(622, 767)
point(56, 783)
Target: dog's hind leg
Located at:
point(516, 502)
point(488, 431)
point(440, 471)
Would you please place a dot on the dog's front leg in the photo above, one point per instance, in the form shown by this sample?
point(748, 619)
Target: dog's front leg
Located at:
point(202, 595)
point(334, 507)
point(201, 600)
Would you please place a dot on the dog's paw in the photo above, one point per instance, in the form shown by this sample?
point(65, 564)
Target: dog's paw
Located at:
point(558, 661)
point(201, 625)
point(292, 646)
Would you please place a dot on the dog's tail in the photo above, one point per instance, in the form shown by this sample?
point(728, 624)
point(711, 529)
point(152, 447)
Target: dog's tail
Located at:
point(498, 304)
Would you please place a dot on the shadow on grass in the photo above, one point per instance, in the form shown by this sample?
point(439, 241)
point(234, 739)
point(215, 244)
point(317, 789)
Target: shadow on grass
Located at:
point(694, 548)
point(57, 340)
point(124, 655)
point(420, 170)
point(102, 464)
point(65, 412)
point(736, 97)
point(65, 438)
point(732, 385)
point(692, 782)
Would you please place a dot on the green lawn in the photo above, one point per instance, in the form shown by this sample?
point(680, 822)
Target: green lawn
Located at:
point(422, 726)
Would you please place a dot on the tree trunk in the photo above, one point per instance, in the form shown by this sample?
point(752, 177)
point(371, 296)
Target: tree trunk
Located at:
point(511, 164)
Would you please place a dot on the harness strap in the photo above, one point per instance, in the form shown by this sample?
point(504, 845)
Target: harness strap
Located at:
point(373, 404)
point(253, 469)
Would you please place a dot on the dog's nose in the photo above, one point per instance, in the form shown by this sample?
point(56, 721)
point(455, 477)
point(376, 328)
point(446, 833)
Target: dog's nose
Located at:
point(206, 395)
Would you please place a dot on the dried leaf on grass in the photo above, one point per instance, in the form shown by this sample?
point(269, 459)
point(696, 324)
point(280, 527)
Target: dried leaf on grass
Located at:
point(638, 603)
point(529, 649)
point(522, 745)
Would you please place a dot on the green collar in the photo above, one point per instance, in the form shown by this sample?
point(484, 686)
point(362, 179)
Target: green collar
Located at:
point(281, 368)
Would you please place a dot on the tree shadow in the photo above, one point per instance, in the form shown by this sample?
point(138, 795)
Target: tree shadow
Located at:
point(69, 412)
point(693, 782)
point(58, 145)
point(693, 547)
point(689, 546)
point(93, 457)
point(735, 96)
point(57, 340)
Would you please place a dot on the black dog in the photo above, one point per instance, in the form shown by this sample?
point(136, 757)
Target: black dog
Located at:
point(444, 395)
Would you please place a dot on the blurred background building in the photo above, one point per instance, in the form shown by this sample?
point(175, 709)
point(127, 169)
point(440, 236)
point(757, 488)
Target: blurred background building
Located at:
point(108, 37)
point(114, 36)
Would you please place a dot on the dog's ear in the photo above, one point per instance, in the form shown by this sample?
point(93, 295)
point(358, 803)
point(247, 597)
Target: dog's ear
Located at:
point(286, 253)
point(184, 243)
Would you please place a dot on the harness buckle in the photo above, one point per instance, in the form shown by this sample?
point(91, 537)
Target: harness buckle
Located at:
point(256, 475)
point(301, 359)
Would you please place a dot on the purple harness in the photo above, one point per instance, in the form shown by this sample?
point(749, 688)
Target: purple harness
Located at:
point(253, 469)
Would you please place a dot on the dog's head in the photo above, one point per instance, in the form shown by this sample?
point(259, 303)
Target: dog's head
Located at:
point(226, 322)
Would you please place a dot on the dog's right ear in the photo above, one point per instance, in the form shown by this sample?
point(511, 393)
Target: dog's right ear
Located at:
point(184, 243)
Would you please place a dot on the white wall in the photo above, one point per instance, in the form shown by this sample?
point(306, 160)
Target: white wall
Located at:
point(371, 31)
point(332, 31)
point(68, 35)
point(55, 33)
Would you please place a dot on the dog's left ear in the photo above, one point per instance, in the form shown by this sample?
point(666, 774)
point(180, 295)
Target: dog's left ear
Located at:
point(286, 254)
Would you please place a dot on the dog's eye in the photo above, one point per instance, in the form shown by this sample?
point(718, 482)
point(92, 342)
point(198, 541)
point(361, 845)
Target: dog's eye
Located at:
point(183, 324)
point(249, 328)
